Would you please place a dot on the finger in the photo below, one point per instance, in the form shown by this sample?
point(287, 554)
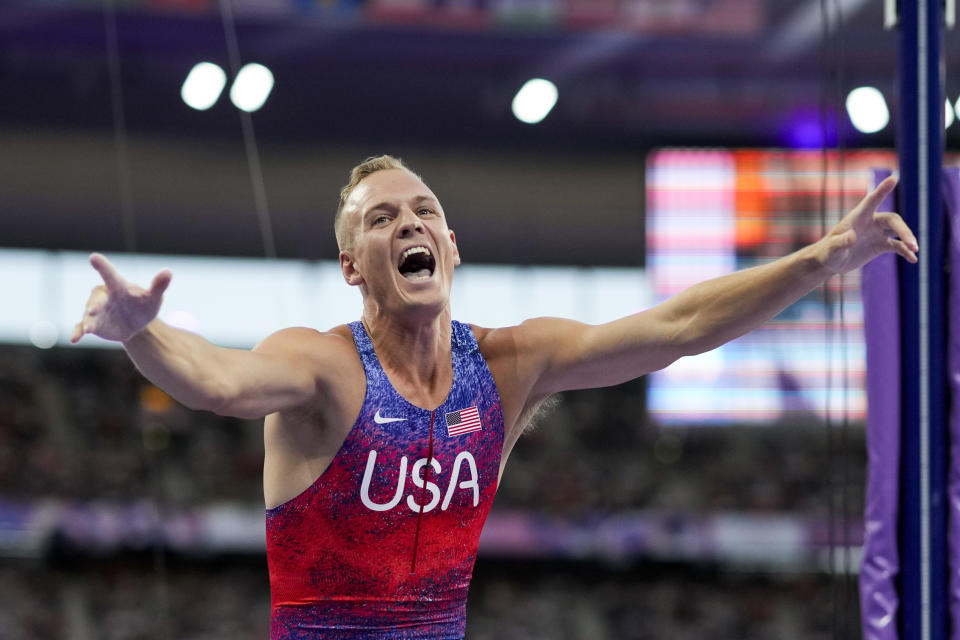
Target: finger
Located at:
point(160, 282)
point(111, 277)
point(875, 197)
point(902, 250)
point(899, 228)
point(78, 333)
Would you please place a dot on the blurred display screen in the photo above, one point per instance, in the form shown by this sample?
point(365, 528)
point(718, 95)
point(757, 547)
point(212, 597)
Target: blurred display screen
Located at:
point(711, 212)
point(730, 18)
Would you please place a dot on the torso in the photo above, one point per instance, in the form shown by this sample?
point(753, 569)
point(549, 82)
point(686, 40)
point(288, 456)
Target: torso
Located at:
point(388, 531)
point(299, 444)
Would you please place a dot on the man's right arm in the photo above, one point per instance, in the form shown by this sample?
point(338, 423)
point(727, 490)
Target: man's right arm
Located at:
point(284, 371)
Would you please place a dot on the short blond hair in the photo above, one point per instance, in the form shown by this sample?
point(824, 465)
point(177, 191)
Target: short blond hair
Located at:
point(358, 173)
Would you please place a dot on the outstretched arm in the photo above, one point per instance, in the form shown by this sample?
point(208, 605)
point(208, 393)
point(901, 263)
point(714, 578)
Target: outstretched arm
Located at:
point(573, 355)
point(281, 372)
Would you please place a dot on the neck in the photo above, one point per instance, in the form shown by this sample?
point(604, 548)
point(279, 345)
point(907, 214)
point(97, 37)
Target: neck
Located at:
point(414, 352)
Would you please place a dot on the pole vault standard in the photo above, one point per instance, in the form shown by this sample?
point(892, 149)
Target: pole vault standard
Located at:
point(922, 516)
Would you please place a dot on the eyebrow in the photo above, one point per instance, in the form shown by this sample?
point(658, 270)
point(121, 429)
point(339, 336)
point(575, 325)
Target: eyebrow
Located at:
point(390, 206)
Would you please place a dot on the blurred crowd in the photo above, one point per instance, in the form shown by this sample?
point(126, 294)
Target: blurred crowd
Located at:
point(131, 600)
point(83, 424)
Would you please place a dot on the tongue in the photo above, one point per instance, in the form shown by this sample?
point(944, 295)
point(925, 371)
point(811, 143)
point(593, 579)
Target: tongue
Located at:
point(417, 275)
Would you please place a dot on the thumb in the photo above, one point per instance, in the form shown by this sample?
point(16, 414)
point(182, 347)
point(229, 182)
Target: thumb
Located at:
point(160, 283)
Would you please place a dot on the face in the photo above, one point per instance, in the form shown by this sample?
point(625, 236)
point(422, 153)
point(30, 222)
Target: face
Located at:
point(402, 254)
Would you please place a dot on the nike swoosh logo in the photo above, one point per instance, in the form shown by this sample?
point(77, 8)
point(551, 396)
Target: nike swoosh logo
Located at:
point(380, 420)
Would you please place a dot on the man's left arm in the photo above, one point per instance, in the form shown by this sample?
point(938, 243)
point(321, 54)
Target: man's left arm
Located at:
point(573, 355)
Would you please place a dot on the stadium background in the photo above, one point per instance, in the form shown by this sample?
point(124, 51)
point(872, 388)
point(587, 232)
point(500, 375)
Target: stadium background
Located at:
point(123, 515)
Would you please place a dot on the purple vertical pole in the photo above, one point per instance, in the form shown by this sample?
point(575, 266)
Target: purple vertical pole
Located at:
point(879, 572)
point(951, 200)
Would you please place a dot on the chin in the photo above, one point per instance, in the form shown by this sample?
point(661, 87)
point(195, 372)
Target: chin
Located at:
point(427, 302)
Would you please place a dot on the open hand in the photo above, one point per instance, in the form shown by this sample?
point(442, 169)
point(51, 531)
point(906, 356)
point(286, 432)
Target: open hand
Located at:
point(864, 234)
point(117, 309)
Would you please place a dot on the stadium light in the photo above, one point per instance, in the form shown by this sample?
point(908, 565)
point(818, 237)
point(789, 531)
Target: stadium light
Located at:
point(43, 334)
point(948, 115)
point(252, 87)
point(867, 110)
point(203, 86)
point(957, 108)
point(534, 100)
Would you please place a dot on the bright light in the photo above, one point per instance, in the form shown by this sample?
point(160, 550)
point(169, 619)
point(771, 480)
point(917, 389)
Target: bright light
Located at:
point(203, 86)
point(252, 87)
point(948, 116)
point(534, 100)
point(957, 108)
point(867, 110)
point(43, 334)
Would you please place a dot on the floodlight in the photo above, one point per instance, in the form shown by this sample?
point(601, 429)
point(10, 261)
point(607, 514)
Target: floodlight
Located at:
point(867, 109)
point(43, 334)
point(203, 86)
point(252, 87)
point(534, 100)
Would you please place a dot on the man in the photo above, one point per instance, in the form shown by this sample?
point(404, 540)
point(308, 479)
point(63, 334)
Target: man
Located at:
point(385, 439)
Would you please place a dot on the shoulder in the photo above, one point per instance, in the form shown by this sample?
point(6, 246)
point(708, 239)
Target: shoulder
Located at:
point(517, 357)
point(519, 354)
point(307, 340)
point(532, 339)
point(324, 355)
point(495, 343)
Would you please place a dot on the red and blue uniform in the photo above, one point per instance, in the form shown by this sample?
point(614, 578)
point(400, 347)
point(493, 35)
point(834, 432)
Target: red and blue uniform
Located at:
point(382, 545)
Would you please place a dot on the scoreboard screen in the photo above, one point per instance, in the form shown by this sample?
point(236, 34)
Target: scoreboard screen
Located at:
point(710, 212)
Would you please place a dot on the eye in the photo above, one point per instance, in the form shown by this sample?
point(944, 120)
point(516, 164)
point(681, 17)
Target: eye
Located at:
point(379, 220)
point(424, 211)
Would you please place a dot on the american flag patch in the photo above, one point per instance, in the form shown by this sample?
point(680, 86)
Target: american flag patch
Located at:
point(463, 421)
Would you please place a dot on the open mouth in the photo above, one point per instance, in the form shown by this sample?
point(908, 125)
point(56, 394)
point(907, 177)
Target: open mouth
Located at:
point(417, 263)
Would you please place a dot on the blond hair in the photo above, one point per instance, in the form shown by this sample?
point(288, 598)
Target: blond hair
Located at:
point(358, 173)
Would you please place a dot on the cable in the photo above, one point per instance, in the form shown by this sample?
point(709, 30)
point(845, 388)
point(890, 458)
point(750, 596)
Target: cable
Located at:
point(120, 138)
point(128, 224)
point(838, 445)
point(845, 502)
point(825, 60)
point(249, 137)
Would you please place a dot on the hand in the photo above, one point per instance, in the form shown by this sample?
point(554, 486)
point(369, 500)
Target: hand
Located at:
point(864, 234)
point(118, 310)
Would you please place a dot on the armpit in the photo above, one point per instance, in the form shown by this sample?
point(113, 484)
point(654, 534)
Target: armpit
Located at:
point(535, 414)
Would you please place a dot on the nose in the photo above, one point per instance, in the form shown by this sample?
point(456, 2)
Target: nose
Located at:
point(410, 223)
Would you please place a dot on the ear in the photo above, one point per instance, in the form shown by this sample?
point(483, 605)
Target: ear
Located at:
point(349, 269)
point(456, 251)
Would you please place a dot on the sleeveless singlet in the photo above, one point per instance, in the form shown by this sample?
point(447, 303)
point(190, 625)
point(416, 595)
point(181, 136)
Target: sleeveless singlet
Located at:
point(382, 545)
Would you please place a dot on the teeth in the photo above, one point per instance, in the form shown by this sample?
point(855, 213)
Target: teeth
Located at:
point(411, 251)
